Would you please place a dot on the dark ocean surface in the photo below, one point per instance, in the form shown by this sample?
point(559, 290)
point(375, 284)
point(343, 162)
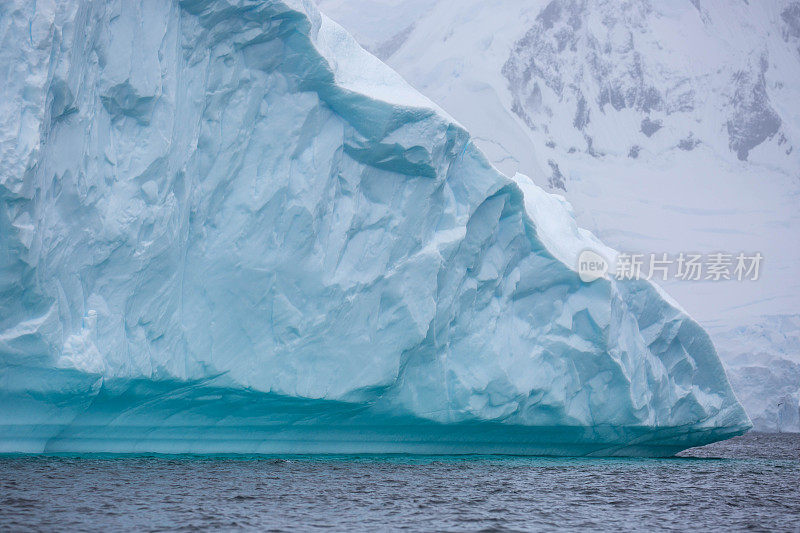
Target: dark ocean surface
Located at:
point(750, 482)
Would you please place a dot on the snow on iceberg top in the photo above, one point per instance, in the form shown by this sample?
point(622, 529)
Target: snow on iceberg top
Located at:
point(357, 70)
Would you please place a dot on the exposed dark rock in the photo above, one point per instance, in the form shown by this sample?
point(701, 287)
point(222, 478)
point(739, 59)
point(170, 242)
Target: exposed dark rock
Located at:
point(791, 20)
point(556, 180)
point(649, 127)
point(688, 143)
point(753, 120)
point(582, 114)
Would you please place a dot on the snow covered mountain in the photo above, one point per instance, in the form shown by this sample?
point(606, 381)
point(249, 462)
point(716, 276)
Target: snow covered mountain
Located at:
point(669, 126)
point(225, 227)
point(764, 368)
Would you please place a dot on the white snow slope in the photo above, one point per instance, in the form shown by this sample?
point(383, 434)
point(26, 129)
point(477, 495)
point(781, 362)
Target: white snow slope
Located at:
point(669, 126)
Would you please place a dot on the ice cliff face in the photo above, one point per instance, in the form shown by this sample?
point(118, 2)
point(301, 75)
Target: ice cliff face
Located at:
point(226, 227)
point(669, 126)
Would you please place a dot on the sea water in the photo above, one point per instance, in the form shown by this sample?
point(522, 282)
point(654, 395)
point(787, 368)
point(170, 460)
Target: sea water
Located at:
point(746, 482)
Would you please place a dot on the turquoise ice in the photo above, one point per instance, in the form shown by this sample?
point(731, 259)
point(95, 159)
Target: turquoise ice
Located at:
point(225, 227)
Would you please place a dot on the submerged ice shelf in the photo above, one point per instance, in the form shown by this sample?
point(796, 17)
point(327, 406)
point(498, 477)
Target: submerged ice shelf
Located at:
point(225, 227)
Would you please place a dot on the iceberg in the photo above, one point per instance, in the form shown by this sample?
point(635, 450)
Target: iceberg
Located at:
point(227, 228)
